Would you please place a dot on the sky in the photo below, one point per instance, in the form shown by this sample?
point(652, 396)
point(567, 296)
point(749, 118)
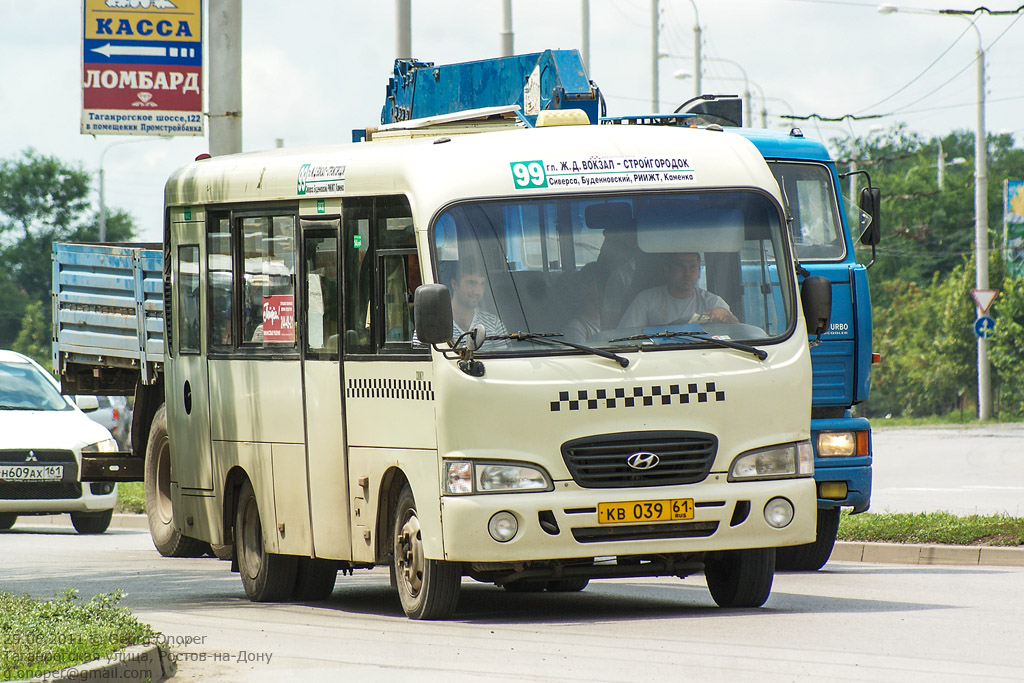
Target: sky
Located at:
point(315, 69)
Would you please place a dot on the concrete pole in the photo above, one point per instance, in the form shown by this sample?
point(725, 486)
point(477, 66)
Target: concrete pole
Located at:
point(225, 77)
point(697, 65)
point(403, 29)
point(585, 38)
point(981, 234)
point(507, 37)
point(655, 97)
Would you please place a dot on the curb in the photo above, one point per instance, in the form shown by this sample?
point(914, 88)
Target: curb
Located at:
point(899, 553)
point(137, 663)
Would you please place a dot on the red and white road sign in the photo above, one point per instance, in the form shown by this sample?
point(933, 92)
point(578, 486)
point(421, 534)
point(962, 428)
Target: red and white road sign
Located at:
point(983, 298)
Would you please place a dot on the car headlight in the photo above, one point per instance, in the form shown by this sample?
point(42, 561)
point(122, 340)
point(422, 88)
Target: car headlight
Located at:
point(105, 446)
point(777, 462)
point(467, 476)
point(843, 444)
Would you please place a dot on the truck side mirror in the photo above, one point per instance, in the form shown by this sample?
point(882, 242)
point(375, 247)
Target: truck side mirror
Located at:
point(432, 306)
point(871, 204)
point(816, 297)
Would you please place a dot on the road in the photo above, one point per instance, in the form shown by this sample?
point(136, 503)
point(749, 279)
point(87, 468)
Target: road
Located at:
point(966, 471)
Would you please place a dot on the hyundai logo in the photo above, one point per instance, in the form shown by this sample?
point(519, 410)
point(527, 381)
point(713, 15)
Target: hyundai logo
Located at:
point(643, 460)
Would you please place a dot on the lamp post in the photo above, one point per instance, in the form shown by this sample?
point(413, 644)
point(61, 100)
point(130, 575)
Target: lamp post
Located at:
point(102, 180)
point(980, 193)
point(656, 54)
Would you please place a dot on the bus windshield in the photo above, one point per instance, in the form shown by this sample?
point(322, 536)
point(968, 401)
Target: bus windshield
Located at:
point(658, 270)
point(817, 231)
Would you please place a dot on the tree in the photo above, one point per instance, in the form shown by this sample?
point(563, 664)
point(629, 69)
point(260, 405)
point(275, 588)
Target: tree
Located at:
point(42, 200)
point(34, 338)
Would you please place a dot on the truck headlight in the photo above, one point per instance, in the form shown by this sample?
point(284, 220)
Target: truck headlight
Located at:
point(467, 476)
point(105, 446)
point(776, 462)
point(842, 444)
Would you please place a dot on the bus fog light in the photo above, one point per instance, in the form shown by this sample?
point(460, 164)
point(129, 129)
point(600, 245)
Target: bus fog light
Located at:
point(503, 526)
point(778, 513)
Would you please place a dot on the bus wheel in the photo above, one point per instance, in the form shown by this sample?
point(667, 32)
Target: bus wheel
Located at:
point(740, 578)
point(7, 520)
point(267, 577)
point(428, 589)
point(812, 556)
point(157, 485)
point(314, 579)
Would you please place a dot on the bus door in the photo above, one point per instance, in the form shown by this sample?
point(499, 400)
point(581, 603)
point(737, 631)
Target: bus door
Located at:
point(187, 392)
point(326, 463)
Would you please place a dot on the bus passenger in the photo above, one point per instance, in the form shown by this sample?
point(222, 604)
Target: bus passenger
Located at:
point(679, 300)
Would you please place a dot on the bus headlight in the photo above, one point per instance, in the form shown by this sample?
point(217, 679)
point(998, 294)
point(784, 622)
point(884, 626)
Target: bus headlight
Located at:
point(466, 476)
point(777, 462)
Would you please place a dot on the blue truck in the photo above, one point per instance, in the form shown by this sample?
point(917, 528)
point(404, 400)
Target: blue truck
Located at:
point(825, 229)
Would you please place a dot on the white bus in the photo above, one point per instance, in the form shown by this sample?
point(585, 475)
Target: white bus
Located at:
point(473, 356)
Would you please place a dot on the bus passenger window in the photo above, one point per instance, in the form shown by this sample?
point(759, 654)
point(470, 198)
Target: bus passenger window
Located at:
point(401, 278)
point(188, 299)
point(218, 283)
point(268, 315)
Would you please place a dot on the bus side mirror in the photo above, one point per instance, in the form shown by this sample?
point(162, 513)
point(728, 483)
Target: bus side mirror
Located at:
point(432, 306)
point(816, 297)
point(871, 204)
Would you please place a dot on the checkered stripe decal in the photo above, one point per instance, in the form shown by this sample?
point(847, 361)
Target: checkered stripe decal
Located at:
point(636, 397)
point(406, 389)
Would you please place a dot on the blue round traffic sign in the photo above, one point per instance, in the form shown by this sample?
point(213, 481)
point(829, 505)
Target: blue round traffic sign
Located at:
point(984, 327)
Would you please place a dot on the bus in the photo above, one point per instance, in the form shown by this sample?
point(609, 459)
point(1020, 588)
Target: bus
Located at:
point(385, 353)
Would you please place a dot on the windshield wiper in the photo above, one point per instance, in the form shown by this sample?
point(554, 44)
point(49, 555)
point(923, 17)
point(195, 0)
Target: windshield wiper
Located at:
point(698, 336)
point(551, 339)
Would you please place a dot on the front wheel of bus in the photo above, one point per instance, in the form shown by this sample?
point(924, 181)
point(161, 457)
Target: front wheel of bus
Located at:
point(428, 589)
point(157, 486)
point(267, 577)
point(740, 578)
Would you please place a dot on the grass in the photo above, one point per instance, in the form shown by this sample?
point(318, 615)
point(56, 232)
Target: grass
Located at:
point(131, 498)
point(935, 528)
point(41, 636)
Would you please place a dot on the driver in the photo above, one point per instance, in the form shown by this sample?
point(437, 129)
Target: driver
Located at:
point(679, 300)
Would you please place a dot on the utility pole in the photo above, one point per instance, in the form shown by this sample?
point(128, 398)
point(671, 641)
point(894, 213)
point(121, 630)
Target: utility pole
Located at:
point(655, 98)
point(225, 77)
point(981, 234)
point(507, 37)
point(585, 38)
point(403, 29)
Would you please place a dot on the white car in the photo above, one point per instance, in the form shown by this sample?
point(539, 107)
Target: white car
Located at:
point(42, 436)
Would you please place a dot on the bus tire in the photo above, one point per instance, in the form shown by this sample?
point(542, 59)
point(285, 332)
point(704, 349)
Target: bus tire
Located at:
point(7, 520)
point(740, 578)
point(812, 556)
point(266, 577)
point(314, 579)
point(91, 522)
point(428, 589)
point(168, 540)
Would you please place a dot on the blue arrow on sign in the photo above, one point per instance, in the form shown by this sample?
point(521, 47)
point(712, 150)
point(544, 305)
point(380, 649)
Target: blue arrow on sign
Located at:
point(984, 327)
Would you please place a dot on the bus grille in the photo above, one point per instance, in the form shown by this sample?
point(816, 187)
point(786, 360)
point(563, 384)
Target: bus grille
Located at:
point(644, 532)
point(600, 461)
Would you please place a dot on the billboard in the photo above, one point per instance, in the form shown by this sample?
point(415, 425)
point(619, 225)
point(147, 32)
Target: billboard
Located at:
point(142, 67)
point(1013, 226)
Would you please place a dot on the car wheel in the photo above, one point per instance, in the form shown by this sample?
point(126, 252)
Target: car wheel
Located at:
point(740, 578)
point(157, 485)
point(7, 520)
point(428, 589)
point(91, 522)
point(267, 577)
point(568, 585)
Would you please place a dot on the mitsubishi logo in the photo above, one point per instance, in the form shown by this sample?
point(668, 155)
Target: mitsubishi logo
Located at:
point(31, 457)
point(643, 460)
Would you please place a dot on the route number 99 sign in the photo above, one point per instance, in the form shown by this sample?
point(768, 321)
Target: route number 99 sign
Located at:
point(529, 174)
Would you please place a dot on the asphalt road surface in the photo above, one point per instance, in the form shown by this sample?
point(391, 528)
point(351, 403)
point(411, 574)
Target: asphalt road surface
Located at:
point(966, 471)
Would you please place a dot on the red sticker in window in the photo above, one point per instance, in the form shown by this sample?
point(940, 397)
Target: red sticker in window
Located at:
point(279, 318)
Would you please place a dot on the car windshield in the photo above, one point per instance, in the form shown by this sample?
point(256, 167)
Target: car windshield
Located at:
point(24, 387)
point(614, 272)
point(817, 231)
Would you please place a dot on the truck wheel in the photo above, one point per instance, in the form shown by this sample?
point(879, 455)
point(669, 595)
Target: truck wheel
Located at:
point(91, 522)
point(428, 589)
point(157, 485)
point(314, 579)
point(567, 585)
point(811, 556)
point(740, 578)
point(7, 520)
point(267, 577)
